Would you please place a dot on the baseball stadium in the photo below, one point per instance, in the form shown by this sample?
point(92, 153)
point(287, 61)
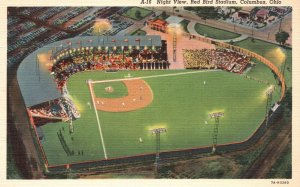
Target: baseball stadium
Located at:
point(96, 99)
point(149, 92)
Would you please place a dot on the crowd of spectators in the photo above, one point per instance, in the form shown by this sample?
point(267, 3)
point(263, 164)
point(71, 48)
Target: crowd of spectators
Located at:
point(220, 58)
point(51, 109)
point(62, 108)
point(73, 61)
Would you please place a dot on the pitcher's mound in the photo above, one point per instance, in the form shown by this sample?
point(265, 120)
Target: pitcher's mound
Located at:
point(109, 89)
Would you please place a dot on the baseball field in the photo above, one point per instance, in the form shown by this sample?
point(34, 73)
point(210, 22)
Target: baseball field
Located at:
point(178, 100)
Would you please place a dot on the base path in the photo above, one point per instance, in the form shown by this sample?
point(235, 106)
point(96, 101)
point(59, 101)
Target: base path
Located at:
point(139, 96)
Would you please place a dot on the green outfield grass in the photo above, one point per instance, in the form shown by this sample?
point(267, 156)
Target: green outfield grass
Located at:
point(215, 33)
point(181, 104)
point(131, 13)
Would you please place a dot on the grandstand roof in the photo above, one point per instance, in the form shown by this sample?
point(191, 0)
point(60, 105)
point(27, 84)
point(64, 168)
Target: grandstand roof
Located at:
point(38, 85)
point(111, 41)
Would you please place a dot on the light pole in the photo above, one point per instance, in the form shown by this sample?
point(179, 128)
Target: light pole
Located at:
point(157, 133)
point(91, 42)
point(217, 116)
point(122, 47)
point(98, 34)
point(284, 65)
point(37, 65)
point(69, 44)
point(79, 43)
point(174, 28)
point(101, 26)
point(151, 44)
point(269, 94)
point(280, 24)
point(139, 42)
point(252, 30)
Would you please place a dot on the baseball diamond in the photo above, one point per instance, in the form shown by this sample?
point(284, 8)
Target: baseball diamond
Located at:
point(139, 96)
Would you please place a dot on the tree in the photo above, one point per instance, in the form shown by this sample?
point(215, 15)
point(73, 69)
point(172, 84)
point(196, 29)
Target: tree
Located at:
point(281, 37)
point(138, 14)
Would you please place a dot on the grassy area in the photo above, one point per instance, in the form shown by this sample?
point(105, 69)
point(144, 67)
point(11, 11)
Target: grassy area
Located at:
point(215, 33)
point(184, 24)
point(131, 13)
point(214, 168)
point(274, 53)
point(181, 104)
point(245, 160)
point(139, 32)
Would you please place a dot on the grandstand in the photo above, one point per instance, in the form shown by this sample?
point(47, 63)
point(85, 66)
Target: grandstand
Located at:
point(220, 58)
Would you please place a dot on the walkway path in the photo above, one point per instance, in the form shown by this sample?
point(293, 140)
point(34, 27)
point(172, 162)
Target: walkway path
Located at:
point(191, 29)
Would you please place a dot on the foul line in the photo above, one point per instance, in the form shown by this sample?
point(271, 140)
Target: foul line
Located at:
point(98, 121)
point(154, 76)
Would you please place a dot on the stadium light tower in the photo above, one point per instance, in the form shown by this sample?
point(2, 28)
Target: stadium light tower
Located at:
point(157, 133)
point(284, 65)
point(37, 67)
point(101, 26)
point(174, 30)
point(151, 43)
point(269, 94)
point(217, 116)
